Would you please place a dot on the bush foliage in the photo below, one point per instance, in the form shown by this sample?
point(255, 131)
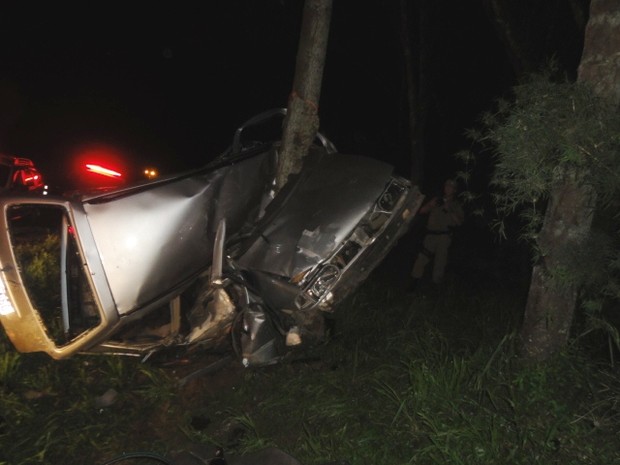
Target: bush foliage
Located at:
point(550, 128)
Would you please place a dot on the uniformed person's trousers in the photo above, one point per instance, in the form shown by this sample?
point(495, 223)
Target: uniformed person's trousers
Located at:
point(435, 247)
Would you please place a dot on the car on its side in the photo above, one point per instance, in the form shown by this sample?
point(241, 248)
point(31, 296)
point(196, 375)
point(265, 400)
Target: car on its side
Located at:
point(19, 175)
point(208, 258)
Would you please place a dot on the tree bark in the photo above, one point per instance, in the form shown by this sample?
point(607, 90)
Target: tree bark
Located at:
point(302, 120)
point(600, 62)
point(553, 294)
point(551, 300)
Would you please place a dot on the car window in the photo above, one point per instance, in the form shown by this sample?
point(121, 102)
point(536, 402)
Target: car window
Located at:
point(52, 271)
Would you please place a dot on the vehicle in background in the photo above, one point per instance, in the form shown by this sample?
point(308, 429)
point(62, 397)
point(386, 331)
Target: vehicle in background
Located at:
point(19, 175)
point(208, 258)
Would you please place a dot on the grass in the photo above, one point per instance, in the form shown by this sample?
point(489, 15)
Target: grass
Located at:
point(50, 412)
point(427, 380)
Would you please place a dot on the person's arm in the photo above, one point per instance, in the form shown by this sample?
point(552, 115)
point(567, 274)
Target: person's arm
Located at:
point(428, 206)
point(455, 211)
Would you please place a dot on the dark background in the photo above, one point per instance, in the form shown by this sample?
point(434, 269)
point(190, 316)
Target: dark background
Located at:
point(166, 86)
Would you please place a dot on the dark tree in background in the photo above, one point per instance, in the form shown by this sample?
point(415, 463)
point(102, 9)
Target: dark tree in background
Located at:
point(533, 32)
point(414, 64)
point(452, 66)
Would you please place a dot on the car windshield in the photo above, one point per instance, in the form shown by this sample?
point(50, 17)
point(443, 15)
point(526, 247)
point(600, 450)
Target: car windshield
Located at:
point(51, 269)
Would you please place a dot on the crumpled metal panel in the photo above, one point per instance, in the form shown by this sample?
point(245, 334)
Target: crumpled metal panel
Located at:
point(303, 228)
point(216, 318)
point(153, 240)
point(259, 339)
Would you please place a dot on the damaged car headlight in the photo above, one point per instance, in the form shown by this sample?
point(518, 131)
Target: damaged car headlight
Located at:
point(319, 283)
point(324, 281)
point(390, 197)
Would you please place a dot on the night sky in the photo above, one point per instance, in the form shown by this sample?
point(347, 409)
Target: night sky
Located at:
point(167, 86)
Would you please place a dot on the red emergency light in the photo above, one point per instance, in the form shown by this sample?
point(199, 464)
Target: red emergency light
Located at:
point(97, 169)
point(31, 178)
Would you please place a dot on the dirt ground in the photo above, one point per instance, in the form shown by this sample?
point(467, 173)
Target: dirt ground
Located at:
point(207, 391)
point(200, 380)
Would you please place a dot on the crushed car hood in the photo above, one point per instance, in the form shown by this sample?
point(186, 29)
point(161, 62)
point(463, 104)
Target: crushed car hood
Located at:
point(313, 216)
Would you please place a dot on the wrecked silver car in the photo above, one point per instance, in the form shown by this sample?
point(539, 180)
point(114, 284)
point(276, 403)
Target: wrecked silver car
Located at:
point(206, 258)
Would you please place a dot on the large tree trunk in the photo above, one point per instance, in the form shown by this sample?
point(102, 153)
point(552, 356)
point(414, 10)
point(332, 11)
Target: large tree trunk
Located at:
point(415, 108)
point(600, 62)
point(521, 61)
point(302, 120)
point(553, 295)
point(552, 300)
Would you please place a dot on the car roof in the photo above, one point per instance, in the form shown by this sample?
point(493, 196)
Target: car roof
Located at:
point(10, 160)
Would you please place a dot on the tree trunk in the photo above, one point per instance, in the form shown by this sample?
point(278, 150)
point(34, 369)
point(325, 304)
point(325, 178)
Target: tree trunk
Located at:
point(520, 59)
point(302, 120)
point(553, 295)
point(415, 110)
point(551, 302)
point(600, 62)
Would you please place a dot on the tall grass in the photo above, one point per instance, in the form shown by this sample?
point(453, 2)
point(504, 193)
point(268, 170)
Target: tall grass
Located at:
point(50, 411)
point(425, 379)
point(404, 381)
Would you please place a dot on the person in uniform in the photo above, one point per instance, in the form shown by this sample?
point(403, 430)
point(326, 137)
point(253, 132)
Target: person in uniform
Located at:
point(444, 214)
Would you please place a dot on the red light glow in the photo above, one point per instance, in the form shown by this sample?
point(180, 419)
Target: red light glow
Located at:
point(97, 169)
